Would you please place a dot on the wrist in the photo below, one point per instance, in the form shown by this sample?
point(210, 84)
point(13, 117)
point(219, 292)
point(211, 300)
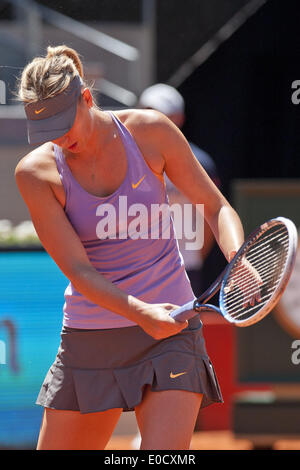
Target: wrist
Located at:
point(135, 308)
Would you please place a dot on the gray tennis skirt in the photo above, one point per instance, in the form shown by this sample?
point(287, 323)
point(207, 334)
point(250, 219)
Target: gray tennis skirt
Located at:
point(97, 370)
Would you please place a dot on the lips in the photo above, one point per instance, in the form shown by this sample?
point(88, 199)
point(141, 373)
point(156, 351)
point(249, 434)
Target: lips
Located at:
point(72, 146)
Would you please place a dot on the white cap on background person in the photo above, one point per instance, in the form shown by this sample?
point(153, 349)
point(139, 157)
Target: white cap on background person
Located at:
point(166, 99)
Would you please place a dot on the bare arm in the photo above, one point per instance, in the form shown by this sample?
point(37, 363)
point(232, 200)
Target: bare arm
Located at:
point(209, 241)
point(64, 246)
point(186, 173)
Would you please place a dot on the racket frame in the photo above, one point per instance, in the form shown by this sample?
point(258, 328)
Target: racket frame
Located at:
point(289, 264)
point(198, 305)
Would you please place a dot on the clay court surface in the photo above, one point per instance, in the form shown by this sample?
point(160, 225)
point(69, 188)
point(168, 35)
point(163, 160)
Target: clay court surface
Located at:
point(211, 440)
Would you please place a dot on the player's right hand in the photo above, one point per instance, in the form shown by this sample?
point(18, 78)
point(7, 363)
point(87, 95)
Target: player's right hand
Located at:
point(156, 321)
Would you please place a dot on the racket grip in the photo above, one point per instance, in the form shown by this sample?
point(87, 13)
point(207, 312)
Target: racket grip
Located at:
point(186, 312)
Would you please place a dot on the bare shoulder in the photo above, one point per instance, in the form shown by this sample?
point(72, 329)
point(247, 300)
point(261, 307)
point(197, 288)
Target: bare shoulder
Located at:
point(37, 176)
point(147, 128)
point(145, 121)
point(152, 128)
point(36, 164)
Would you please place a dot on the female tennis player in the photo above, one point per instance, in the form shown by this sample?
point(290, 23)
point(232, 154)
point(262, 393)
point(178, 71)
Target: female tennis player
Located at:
point(90, 186)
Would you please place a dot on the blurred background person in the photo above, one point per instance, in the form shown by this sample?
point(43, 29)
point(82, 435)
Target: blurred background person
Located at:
point(169, 101)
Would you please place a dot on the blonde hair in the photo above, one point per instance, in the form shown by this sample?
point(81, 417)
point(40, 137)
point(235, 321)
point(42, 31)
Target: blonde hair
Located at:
point(45, 77)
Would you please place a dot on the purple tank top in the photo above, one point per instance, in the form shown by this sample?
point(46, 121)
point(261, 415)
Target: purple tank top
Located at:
point(128, 237)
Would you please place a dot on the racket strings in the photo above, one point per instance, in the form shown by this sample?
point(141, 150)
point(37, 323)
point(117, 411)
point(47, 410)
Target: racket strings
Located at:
point(263, 267)
point(265, 270)
point(262, 250)
point(252, 309)
point(235, 307)
point(268, 256)
point(235, 299)
point(257, 247)
point(267, 291)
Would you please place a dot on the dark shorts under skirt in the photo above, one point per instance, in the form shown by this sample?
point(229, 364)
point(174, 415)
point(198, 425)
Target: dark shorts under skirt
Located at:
point(97, 370)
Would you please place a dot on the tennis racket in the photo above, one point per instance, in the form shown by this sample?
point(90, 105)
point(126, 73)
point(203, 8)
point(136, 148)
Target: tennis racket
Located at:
point(254, 280)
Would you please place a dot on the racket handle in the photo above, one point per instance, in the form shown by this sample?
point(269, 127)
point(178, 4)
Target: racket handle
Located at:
point(186, 312)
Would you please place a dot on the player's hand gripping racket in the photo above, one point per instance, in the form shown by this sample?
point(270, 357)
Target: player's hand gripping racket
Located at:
point(254, 280)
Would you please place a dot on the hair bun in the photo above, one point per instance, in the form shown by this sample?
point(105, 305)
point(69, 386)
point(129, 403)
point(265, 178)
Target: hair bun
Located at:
point(52, 51)
point(64, 50)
